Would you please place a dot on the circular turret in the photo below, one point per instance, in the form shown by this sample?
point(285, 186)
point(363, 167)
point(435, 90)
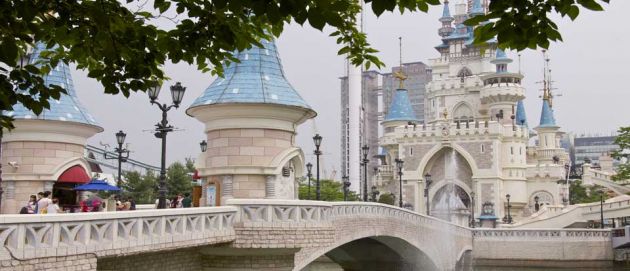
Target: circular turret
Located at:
point(250, 117)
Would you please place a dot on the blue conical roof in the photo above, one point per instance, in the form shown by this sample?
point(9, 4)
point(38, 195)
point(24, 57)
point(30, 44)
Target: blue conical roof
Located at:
point(501, 57)
point(446, 13)
point(546, 116)
point(67, 108)
point(521, 117)
point(258, 78)
point(401, 109)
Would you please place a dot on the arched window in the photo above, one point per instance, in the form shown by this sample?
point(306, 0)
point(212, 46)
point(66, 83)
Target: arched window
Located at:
point(463, 112)
point(463, 73)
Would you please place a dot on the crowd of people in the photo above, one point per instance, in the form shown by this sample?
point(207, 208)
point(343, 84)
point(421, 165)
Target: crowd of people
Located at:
point(179, 201)
point(43, 204)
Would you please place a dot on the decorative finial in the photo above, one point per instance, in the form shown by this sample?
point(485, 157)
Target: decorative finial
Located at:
point(445, 114)
point(400, 74)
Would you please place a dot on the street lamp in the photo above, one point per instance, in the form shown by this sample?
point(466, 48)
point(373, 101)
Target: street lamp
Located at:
point(399, 164)
point(309, 175)
point(472, 208)
point(346, 187)
point(123, 154)
point(509, 217)
point(203, 145)
point(601, 208)
point(317, 139)
point(427, 183)
point(536, 204)
point(365, 149)
point(374, 193)
point(567, 168)
point(162, 128)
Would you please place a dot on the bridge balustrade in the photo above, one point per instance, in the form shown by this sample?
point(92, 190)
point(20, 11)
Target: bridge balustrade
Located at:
point(113, 233)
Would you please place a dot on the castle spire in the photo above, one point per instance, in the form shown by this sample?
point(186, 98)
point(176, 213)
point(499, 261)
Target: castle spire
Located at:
point(501, 61)
point(521, 117)
point(446, 21)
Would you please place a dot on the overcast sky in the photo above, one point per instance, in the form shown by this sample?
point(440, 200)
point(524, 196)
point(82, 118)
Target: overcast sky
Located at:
point(589, 68)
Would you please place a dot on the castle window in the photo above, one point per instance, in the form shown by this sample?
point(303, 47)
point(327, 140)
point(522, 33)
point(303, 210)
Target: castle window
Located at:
point(482, 148)
point(411, 151)
point(512, 150)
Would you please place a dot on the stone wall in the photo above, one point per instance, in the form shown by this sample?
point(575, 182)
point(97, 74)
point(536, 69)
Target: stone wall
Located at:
point(36, 162)
point(245, 147)
point(494, 246)
point(67, 263)
point(180, 259)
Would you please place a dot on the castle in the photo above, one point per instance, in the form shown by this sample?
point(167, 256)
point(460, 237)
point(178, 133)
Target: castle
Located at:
point(473, 145)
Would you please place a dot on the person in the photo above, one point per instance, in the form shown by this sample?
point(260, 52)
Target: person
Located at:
point(43, 203)
point(180, 198)
point(187, 201)
point(53, 207)
point(119, 204)
point(132, 207)
point(157, 203)
point(31, 205)
point(40, 196)
point(126, 205)
point(174, 202)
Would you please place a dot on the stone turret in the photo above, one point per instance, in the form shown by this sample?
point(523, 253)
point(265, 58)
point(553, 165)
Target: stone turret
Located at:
point(45, 152)
point(502, 90)
point(446, 20)
point(250, 117)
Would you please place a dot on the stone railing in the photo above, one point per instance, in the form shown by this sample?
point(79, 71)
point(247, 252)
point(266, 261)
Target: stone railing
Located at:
point(280, 211)
point(542, 234)
point(370, 209)
point(113, 233)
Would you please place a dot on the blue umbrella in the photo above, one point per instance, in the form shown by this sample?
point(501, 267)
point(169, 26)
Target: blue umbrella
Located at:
point(97, 185)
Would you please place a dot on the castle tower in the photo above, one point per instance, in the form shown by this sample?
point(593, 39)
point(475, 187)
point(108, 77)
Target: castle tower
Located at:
point(548, 133)
point(250, 117)
point(46, 152)
point(446, 21)
point(502, 90)
point(521, 117)
point(400, 113)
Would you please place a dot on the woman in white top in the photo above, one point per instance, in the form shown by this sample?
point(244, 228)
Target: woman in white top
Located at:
point(53, 208)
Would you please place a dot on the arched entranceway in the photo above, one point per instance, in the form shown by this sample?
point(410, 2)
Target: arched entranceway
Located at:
point(449, 194)
point(380, 253)
point(63, 189)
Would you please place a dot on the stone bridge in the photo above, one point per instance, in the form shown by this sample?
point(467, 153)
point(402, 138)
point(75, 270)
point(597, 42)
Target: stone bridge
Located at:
point(251, 235)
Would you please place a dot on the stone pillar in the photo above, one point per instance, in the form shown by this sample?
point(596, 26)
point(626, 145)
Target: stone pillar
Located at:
point(270, 186)
point(227, 188)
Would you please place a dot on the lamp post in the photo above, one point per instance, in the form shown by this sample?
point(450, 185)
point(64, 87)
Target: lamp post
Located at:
point(162, 128)
point(567, 168)
point(346, 187)
point(427, 183)
point(317, 139)
point(399, 164)
point(365, 149)
point(601, 208)
point(309, 175)
point(374, 193)
point(509, 217)
point(536, 204)
point(123, 154)
point(472, 209)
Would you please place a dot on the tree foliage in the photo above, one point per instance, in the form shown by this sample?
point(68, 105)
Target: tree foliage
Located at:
point(142, 188)
point(330, 190)
point(178, 181)
point(387, 198)
point(120, 44)
point(581, 194)
point(622, 154)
